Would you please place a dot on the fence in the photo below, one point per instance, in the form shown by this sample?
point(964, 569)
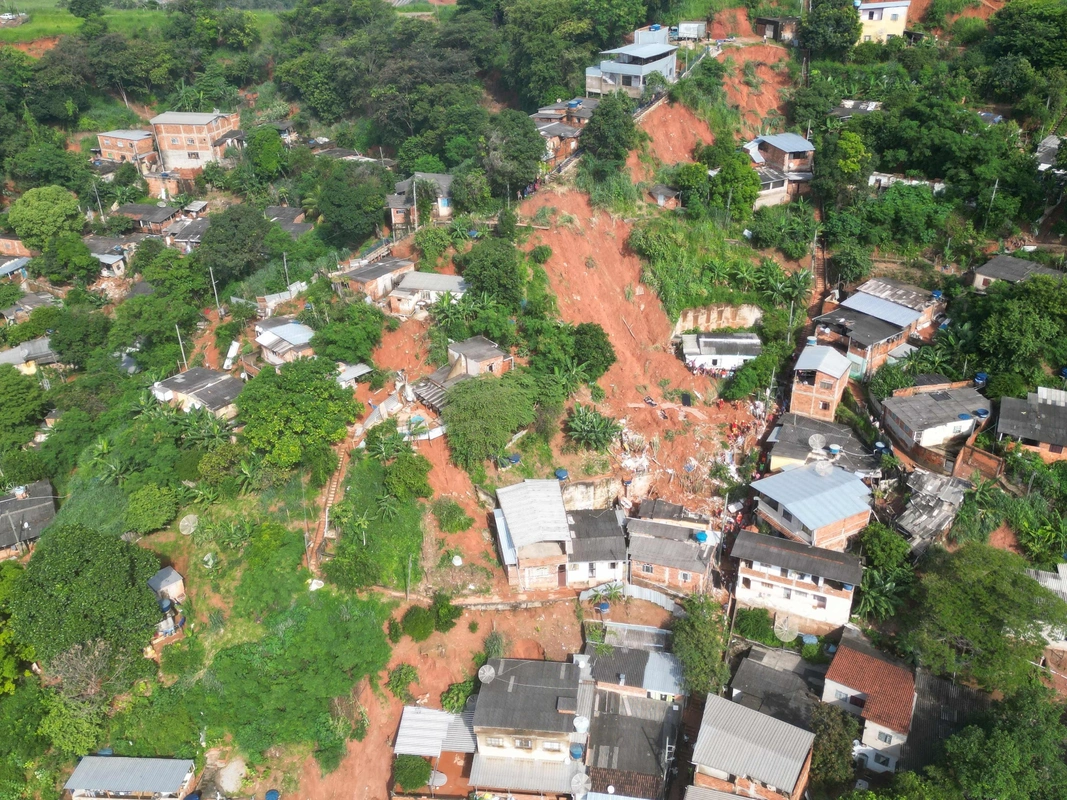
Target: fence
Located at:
point(638, 592)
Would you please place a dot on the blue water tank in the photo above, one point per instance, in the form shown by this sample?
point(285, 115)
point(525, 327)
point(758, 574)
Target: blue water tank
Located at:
point(515, 458)
point(965, 416)
point(848, 587)
point(701, 536)
point(981, 378)
point(573, 103)
point(603, 608)
point(562, 474)
point(835, 449)
point(577, 751)
point(809, 638)
point(273, 794)
point(936, 293)
point(655, 26)
point(981, 413)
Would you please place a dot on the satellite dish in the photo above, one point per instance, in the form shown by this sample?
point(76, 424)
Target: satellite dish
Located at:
point(816, 441)
point(823, 468)
point(457, 561)
point(486, 673)
point(581, 784)
point(784, 628)
point(161, 204)
point(611, 790)
point(188, 524)
point(581, 724)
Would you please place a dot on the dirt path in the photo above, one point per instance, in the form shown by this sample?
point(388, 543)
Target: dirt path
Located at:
point(205, 341)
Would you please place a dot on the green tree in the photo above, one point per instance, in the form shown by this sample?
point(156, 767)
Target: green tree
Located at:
point(888, 379)
point(15, 656)
point(591, 429)
point(289, 413)
point(513, 151)
point(85, 8)
point(736, 186)
point(411, 772)
point(592, 348)
point(351, 209)
point(352, 338)
point(850, 263)
point(610, 133)
point(265, 151)
point(234, 244)
point(831, 28)
point(699, 644)
point(493, 267)
point(483, 414)
point(77, 334)
point(22, 407)
point(981, 616)
point(81, 586)
point(150, 508)
point(66, 259)
point(418, 623)
point(43, 214)
point(831, 754)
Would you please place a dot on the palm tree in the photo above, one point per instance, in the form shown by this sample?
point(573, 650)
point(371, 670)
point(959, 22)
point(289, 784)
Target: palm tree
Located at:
point(360, 524)
point(310, 204)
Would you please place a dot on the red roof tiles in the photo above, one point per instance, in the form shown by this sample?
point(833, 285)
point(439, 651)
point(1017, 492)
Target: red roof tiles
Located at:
point(890, 688)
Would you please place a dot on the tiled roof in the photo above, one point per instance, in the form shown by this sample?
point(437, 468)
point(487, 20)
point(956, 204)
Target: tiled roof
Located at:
point(890, 688)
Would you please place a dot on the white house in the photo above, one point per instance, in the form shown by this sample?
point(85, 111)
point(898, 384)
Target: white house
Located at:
point(417, 290)
point(802, 582)
point(719, 351)
point(932, 418)
point(866, 683)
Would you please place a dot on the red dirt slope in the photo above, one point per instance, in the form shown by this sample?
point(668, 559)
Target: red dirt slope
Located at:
point(756, 105)
point(730, 22)
point(675, 132)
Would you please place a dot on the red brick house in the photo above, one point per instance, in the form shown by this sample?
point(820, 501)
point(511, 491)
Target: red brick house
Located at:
point(127, 145)
point(819, 380)
point(1038, 423)
point(186, 141)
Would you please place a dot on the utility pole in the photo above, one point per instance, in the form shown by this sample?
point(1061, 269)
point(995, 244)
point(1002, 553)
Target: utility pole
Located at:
point(214, 289)
point(407, 586)
point(98, 206)
point(182, 346)
point(285, 264)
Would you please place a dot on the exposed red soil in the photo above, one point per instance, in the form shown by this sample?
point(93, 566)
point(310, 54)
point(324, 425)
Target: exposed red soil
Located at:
point(205, 342)
point(591, 271)
point(1004, 538)
point(405, 349)
point(984, 10)
point(675, 132)
point(730, 22)
point(36, 48)
point(756, 105)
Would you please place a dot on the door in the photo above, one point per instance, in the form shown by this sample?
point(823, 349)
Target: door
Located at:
point(561, 575)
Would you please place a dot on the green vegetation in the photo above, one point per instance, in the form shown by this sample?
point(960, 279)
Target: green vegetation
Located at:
point(400, 679)
point(699, 643)
point(418, 623)
point(590, 429)
point(831, 755)
point(411, 772)
point(451, 518)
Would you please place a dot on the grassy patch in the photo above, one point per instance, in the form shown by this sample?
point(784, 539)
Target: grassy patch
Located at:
point(46, 20)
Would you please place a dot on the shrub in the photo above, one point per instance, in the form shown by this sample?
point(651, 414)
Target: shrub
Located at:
point(444, 613)
point(400, 678)
point(417, 623)
point(394, 631)
point(591, 429)
point(411, 772)
point(150, 508)
point(756, 624)
point(473, 627)
point(432, 242)
point(451, 518)
point(454, 698)
point(496, 644)
point(541, 254)
point(183, 658)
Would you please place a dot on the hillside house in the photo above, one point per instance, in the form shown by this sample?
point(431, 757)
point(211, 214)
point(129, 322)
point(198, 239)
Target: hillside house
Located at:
point(200, 387)
point(575, 113)
point(739, 751)
point(777, 29)
point(126, 145)
point(632, 742)
point(847, 109)
point(928, 305)
point(788, 153)
point(1038, 423)
point(1055, 582)
point(543, 546)
point(149, 218)
point(811, 586)
point(935, 416)
point(25, 511)
point(665, 197)
point(12, 246)
point(30, 355)
point(120, 777)
point(22, 308)
point(881, 22)
point(418, 290)
point(431, 733)
point(670, 557)
point(820, 505)
point(778, 683)
point(114, 252)
point(1047, 152)
point(188, 140)
point(629, 66)
point(561, 142)
point(348, 375)
point(636, 672)
point(870, 685)
point(403, 210)
point(478, 356)
point(793, 443)
point(168, 584)
point(932, 507)
point(186, 235)
point(1010, 270)
point(524, 722)
point(820, 378)
point(14, 269)
point(289, 219)
point(719, 351)
point(283, 339)
point(376, 279)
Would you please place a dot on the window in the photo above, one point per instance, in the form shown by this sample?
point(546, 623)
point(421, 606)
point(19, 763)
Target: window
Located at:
point(574, 567)
point(894, 17)
point(524, 744)
point(783, 571)
point(551, 746)
point(839, 695)
point(800, 595)
point(826, 385)
point(787, 516)
point(787, 593)
point(820, 601)
point(866, 38)
point(685, 576)
point(881, 760)
point(1055, 448)
point(173, 139)
point(647, 569)
point(614, 565)
point(858, 702)
point(885, 738)
point(193, 155)
point(824, 406)
point(592, 570)
point(746, 583)
point(494, 741)
point(190, 140)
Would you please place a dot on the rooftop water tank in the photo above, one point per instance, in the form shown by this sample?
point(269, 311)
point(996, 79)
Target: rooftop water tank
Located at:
point(965, 416)
point(812, 341)
point(835, 449)
point(981, 413)
point(981, 378)
point(701, 536)
point(655, 26)
point(936, 293)
point(573, 103)
point(577, 751)
point(561, 474)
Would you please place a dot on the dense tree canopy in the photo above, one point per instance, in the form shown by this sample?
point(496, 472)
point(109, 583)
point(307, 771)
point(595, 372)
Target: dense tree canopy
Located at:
point(699, 643)
point(483, 414)
point(43, 214)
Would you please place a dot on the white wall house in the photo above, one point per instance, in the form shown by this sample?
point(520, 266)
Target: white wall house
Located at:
point(727, 351)
point(932, 418)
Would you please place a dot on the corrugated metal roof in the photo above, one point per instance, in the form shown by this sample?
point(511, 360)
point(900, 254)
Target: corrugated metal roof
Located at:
point(669, 553)
point(503, 536)
point(740, 741)
point(168, 576)
point(898, 292)
point(787, 142)
point(821, 358)
point(642, 50)
point(129, 775)
point(522, 774)
point(534, 512)
point(816, 500)
point(703, 793)
point(663, 674)
point(186, 118)
point(460, 737)
point(127, 134)
point(422, 731)
point(13, 266)
point(843, 567)
point(882, 309)
point(353, 371)
point(525, 694)
point(432, 282)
